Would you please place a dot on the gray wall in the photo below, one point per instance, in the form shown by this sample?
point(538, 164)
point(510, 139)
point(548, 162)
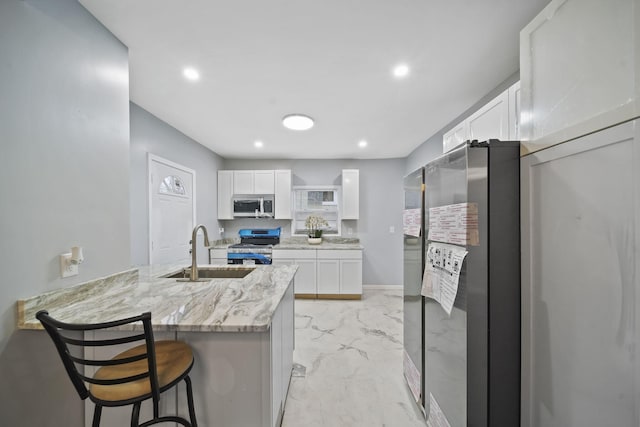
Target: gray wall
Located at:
point(151, 135)
point(432, 147)
point(64, 130)
point(381, 198)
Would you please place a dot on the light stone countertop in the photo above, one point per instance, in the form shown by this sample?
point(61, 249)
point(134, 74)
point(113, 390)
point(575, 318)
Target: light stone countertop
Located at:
point(334, 243)
point(217, 305)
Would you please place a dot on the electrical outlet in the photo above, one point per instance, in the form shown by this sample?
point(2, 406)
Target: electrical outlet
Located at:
point(66, 268)
point(221, 230)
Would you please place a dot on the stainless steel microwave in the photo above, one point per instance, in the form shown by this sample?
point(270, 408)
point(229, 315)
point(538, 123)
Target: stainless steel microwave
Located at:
point(253, 206)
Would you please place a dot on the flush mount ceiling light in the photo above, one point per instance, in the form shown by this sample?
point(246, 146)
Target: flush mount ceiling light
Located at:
point(401, 70)
point(297, 122)
point(362, 143)
point(191, 73)
point(258, 144)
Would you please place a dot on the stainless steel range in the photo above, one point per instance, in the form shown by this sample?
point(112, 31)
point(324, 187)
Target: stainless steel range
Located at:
point(255, 246)
point(247, 253)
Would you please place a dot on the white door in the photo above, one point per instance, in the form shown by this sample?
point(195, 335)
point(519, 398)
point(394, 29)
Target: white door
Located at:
point(171, 210)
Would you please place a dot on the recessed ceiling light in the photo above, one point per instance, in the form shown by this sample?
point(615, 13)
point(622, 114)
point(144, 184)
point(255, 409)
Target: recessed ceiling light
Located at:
point(297, 122)
point(191, 73)
point(258, 144)
point(362, 143)
point(401, 70)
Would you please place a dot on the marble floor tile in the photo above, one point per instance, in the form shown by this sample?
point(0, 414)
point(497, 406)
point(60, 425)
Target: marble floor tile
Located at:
point(348, 360)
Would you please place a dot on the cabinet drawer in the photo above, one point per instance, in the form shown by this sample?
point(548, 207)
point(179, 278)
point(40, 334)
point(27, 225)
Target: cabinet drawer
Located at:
point(218, 253)
point(294, 253)
point(340, 254)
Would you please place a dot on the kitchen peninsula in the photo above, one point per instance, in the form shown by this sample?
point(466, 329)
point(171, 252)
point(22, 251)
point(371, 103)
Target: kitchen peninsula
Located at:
point(241, 331)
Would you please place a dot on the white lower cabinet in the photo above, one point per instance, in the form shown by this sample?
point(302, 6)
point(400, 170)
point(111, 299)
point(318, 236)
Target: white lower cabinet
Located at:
point(218, 256)
point(305, 281)
point(351, 276)
point(276, 369)
point(328, 277)
point(324, 272)
point(340, 272)
point(282, 343)
point(288, 340)
point(305, 278)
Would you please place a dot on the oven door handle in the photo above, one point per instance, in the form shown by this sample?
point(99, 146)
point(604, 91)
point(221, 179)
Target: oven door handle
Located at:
point(265, 259)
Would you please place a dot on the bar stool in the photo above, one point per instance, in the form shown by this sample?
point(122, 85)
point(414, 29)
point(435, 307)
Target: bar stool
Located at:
point(129, 378)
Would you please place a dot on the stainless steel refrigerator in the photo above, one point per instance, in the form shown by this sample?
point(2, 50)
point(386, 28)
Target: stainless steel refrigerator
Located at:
point(413, 302)
point(471, 370)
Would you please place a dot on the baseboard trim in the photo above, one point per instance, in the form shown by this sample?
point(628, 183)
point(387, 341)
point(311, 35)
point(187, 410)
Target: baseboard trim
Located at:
point(382, 287)
point(339, 296)
point(329, 296)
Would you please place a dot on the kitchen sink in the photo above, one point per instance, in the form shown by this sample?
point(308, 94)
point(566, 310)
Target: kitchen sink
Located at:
point(207, 273)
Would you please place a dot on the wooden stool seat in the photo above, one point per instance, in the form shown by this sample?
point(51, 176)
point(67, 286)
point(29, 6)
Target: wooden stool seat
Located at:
point(130, 377)
point(173, 359)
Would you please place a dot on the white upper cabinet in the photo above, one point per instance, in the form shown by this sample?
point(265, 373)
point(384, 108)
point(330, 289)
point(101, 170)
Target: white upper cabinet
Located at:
point(263, 182)
point(514, 112)
point(350, 194)
point(242, 182)
point(497, 119)
point(579, 67)
point(491, 121)
point(253, 182)
point(454, 137)
point(225, 194)
point(282, 194)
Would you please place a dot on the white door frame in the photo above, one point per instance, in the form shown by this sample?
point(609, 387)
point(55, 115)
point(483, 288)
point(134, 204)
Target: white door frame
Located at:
point(153, 158)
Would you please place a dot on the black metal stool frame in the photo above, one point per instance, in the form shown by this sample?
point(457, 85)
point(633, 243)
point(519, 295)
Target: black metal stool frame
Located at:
point(54, 328)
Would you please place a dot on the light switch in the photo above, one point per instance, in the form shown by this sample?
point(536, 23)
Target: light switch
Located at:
point(392, 229)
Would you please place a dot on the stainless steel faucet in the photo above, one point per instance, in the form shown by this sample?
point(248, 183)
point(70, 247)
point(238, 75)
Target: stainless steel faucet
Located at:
point(194, 263)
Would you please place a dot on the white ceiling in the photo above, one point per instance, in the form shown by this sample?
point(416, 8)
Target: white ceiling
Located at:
point(331, 59)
